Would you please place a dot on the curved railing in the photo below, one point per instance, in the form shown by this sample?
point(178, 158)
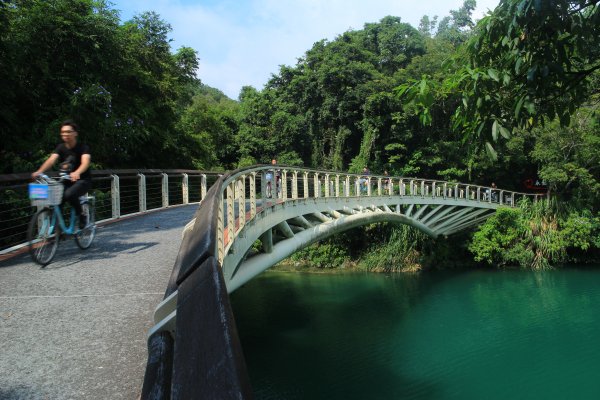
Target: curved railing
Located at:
point(194, 351)
point(247, 185)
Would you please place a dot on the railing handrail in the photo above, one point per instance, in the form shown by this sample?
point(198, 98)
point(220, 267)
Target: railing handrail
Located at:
point(26, 176)
point(229, 188)
point(16, 213)
point(232, 175)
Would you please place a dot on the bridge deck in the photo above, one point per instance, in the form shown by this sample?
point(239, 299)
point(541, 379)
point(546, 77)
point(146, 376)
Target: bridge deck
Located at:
point(77, 329)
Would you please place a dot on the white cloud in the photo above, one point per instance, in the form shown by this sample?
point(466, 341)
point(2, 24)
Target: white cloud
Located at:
point(244, 42)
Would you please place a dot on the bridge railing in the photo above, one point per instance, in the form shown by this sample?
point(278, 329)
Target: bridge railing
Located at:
point(119, 193)
point(264, 186)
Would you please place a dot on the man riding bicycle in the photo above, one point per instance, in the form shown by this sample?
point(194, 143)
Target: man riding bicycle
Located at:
point(74, 158)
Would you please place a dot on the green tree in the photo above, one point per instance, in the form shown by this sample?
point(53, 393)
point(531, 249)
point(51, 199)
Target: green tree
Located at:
point(529, 62)
point(73, 58)
point(569, 158)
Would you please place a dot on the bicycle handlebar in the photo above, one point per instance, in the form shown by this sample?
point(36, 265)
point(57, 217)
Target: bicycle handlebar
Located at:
point(43, 178)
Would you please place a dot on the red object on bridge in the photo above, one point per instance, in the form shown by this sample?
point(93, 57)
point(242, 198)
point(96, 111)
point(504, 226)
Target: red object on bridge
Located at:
point(535, 185)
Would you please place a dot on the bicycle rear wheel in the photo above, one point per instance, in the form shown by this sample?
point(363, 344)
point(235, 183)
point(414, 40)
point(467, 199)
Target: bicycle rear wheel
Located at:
point(43, 235)
point(85, 236)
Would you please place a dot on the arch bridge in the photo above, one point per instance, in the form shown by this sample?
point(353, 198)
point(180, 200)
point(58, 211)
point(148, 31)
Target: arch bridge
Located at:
point(253, 218)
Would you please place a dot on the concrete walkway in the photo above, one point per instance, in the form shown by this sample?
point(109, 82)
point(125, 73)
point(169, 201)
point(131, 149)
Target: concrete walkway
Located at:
point(76, 329)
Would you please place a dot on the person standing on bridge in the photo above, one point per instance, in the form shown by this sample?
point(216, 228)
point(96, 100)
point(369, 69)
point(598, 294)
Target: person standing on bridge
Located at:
point(74, 159)
point(364, 180)
point(277, 173)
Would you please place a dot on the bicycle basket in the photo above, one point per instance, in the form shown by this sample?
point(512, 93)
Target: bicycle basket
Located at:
point(42, 194)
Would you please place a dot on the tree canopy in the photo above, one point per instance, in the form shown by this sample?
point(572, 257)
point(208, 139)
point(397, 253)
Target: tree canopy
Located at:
point(528, 62)
point(426, 101)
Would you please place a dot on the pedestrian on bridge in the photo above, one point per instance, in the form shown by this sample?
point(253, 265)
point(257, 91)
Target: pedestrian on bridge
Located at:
point(364, 180)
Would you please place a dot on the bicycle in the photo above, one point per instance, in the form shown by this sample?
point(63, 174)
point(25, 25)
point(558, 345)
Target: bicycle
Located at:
point(48, 225)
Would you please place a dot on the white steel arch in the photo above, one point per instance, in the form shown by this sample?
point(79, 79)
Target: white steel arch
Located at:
point(308, 205)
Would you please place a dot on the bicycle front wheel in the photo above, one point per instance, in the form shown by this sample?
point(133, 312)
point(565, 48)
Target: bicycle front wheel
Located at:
point(43, 235)
point(85, 236)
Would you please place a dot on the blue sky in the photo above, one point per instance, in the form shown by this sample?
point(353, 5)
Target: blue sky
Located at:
point(244, 42)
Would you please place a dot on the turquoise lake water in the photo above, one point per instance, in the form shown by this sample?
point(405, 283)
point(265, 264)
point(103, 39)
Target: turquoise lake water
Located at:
point(437, 335)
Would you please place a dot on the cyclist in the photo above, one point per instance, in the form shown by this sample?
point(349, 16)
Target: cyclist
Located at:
point(74, 158)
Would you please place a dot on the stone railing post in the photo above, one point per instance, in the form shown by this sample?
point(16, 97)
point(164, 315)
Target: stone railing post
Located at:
point(230, 212)
point(305, 179)
point(115, 196)
point(202, 186)
point(165, 190)
point(347, 187)
point(284, 193)
point(295, 185)
point(252, 184)
point(221, 230)
point(263, 184)
point(240, 199)
point(142, 192)
point(185, 190)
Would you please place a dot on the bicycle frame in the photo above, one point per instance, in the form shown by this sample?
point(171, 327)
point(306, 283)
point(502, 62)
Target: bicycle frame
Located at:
point(58, 217)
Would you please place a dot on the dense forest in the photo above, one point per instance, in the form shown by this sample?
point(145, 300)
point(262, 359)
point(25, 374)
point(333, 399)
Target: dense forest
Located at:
point(512, 98)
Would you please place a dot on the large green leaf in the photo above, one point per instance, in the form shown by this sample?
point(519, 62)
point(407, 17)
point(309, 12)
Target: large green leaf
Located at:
point(491, 152)
point(494, 74)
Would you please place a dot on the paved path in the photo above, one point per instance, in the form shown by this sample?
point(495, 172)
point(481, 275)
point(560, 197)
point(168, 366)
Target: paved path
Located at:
point(77, 328)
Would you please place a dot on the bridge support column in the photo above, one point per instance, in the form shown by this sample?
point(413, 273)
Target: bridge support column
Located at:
point(267, 241)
